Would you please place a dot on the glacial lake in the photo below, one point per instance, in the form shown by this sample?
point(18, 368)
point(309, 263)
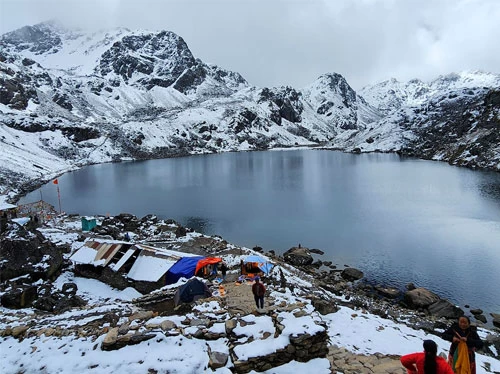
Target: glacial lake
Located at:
point(399, 220)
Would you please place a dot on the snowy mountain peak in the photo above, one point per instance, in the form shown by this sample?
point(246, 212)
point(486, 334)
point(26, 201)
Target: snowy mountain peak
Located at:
point(41, 38)
point(153, 59)
point(328, 84)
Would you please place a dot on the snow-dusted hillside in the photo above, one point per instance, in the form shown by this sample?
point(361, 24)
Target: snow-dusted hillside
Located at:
point(69, 98)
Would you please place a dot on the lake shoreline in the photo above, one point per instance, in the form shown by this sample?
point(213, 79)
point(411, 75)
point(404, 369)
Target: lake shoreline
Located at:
point(353, 219)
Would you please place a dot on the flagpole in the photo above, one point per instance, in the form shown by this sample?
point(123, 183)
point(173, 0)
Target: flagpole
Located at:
point(59, 198)
point(56, 182)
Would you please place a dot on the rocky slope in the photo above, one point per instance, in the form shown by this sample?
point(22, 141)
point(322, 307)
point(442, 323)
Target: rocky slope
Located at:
point(69, 98)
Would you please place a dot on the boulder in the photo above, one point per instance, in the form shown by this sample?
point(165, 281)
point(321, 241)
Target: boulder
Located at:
point(480, 317)
point(298, 256)
point(25, 252)
point(496, 319)
point(443, 308)
point(324, 307)
point(217, 359)
point(351, 274)
point(57, 301)
point(389, 292)
point(64, 303)
point(410, 286)
point(230, 325)
point(45, 303)
point(317, 251)
point(420, 298)
point(69, 289)
point(19, 297)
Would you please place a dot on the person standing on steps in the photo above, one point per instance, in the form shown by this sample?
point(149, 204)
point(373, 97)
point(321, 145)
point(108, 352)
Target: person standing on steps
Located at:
point(464, 342)
point(426, 362)
point(258, 290)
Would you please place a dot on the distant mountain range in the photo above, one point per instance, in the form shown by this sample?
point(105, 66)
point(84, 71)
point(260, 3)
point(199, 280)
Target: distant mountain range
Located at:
point(69, 98)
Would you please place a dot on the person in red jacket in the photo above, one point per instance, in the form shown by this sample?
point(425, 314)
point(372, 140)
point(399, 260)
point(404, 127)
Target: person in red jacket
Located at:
point(258, 290)
point(426, 362)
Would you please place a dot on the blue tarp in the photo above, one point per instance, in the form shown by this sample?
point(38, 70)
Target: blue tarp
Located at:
point(185, 267)
point(263, 264)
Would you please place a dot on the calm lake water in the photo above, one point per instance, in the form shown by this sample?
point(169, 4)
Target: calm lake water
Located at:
point(399, 220)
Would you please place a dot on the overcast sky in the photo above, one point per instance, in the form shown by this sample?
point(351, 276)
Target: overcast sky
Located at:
point(278, 42)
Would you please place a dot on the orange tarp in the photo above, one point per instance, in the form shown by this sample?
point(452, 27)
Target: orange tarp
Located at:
point(207, 261)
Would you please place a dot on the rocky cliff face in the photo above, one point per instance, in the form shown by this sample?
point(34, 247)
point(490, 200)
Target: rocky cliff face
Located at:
point(86, 98)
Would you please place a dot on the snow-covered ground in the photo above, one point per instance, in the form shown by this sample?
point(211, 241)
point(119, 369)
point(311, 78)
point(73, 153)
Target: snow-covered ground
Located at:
point(359, 332)
point(354, 329)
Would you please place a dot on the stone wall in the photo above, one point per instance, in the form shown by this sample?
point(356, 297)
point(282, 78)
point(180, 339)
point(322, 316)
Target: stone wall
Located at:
point(302, 348)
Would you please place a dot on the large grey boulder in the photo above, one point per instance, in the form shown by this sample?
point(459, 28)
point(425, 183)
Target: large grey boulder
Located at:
point(443, 308)
point(298, 256)
point(420, 298)
point(352, 274)
point(324, 307)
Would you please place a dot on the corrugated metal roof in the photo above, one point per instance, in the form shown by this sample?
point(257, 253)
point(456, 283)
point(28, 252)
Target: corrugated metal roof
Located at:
point(101, 250)
point(151, 264)
point(92, 244)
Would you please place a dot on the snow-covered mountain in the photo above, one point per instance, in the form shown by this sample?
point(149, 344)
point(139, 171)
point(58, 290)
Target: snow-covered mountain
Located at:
point(454, 118)
point(70, 98)
point(391, 94)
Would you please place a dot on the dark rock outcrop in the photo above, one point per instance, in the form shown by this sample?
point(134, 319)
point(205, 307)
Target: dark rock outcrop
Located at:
point(298, 256)
point(18, 297)
point(24, 252)
point(445, 309)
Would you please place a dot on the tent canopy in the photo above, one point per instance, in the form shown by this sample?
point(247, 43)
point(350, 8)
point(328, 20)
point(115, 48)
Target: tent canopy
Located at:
point(259, 262)
point(184, 267)
point(194, 289)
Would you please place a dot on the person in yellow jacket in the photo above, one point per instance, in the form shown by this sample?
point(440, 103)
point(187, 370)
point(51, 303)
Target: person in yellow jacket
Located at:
point(464, 342)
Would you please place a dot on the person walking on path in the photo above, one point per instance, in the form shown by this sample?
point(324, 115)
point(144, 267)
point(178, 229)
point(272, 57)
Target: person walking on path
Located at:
point(426, 362)
point(258, 290)
point(223, 270)
point(464, 342)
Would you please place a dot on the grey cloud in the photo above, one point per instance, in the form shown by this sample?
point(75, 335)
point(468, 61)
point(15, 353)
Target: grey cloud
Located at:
point(282, 42)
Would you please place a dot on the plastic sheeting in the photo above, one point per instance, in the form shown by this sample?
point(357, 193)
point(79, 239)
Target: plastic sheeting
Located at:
point(184, 267)
point(207, 261)
point(262, 263)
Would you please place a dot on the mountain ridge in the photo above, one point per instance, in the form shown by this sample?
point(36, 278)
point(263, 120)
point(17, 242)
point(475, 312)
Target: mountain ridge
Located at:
point(121, 94)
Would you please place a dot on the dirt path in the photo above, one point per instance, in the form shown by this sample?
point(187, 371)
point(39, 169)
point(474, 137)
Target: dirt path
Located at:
point(239, 298)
